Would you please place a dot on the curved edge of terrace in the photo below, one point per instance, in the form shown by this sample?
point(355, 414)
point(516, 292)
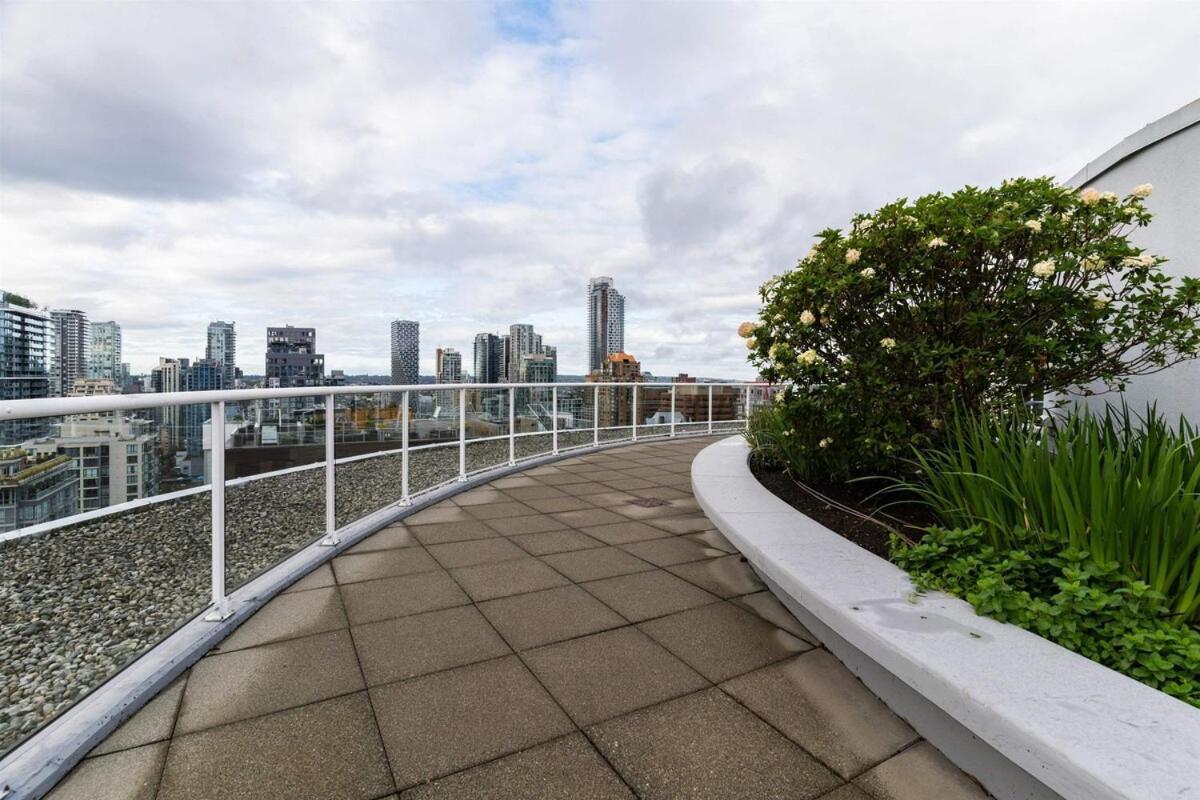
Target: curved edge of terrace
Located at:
point(1027, 717)
point(37, 764)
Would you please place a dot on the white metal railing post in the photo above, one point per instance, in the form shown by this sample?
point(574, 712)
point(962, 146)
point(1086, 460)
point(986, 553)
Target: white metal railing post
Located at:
point(710, 425)
point(634, 413)
point(747, 406)
point(404, 499)
point(672, 410)
point(220, 603)
point(554, 419)
point(512, 426)
point(331, 534)
point(462, 434)
point(596, 416)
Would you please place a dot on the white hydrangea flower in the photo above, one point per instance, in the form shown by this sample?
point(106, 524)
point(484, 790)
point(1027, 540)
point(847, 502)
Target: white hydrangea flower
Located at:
point(810, 357)
point(852, 256)
point(1143, 190)
point(824, 443)
point(935, 242)
point(866, 224)
point(887, 343)
point(751, 343)
point(1108, 197)
point(1089, 196)
point(1034, 225)
point(807, 317)
point(1092, 264)
point(747, 329)
point(1101, 300)
point(867, 272)
point(1144, 260)
point(1044, 269)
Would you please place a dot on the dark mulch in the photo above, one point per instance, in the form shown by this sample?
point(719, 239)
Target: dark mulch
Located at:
point(907, 518)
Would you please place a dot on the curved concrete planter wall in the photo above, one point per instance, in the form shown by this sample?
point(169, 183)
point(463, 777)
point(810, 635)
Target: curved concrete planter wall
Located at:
point(1028, 718)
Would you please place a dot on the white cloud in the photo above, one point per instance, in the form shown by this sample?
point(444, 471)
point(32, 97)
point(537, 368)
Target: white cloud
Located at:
point(469, 165)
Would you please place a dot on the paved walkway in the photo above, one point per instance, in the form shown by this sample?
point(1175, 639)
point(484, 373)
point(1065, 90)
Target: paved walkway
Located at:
point(575, 631)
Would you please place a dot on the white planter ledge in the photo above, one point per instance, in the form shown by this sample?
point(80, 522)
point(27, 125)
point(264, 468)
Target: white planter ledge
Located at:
point(1026, 717)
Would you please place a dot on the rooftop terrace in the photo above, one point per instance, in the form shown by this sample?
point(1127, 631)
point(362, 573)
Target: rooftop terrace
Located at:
point(577, 630)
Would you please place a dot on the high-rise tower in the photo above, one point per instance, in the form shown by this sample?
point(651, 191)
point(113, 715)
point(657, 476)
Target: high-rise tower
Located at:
point(406, 351)
point(606, 321)
point(488, 354)
point(222, 348)
point(104, 356)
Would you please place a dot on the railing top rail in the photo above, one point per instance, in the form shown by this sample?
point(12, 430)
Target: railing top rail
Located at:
point(98, 404)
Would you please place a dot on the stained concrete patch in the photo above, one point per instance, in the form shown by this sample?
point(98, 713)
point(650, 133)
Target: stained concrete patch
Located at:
point(601, 676)
point(721, 640)
point(386, 539)
point(448, 721)
point(382, 564)
point(590, 565)
point(565, 769)
point(227, 687)
point(726, 577)
point(645, 595)
point(489, 581)
point(705, 745)
point(287, 617)
point(319, 578)
point(405, 647)
point(481, 551)
point(451, 532)
point(687, 523)
point(538, 618)
point(540, 544)
point(672, 550)
point(820, 705)
point(127, 775)
point(328, 749)
point(624, 532)
point(917, 773)
point(371, 601)
point(152, 723)
point(514, 526)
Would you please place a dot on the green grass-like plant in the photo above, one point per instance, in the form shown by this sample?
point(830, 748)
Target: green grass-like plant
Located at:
point(1122, 490)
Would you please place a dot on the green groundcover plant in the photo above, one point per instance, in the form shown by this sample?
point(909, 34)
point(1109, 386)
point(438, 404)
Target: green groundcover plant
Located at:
point(1123, 490)
point(977, 299)
point(1042, 584)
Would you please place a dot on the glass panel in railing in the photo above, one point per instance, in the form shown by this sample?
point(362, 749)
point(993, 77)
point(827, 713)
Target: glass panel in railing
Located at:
point(81, 598)
point(728, 408)
point(274, 481)
point(576, 415)
point(654, 409)
point(534, 420)
point(691, 408)
point(616, 411)
point(368, 438)
point(487, 428)
point(433, 437)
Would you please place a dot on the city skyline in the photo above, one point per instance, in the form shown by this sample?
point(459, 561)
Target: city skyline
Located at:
point(100, 349)
point(610, 149)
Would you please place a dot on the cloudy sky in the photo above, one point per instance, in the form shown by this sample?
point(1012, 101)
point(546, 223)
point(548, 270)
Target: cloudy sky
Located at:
point(471, 165)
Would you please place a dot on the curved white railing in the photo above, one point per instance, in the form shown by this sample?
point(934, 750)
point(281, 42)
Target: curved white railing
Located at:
point(13, 410)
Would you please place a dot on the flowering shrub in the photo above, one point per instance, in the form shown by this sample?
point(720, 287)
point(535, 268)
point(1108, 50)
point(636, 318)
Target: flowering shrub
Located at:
point(978, 299)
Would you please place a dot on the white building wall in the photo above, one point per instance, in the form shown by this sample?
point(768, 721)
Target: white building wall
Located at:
point(1165, 153)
